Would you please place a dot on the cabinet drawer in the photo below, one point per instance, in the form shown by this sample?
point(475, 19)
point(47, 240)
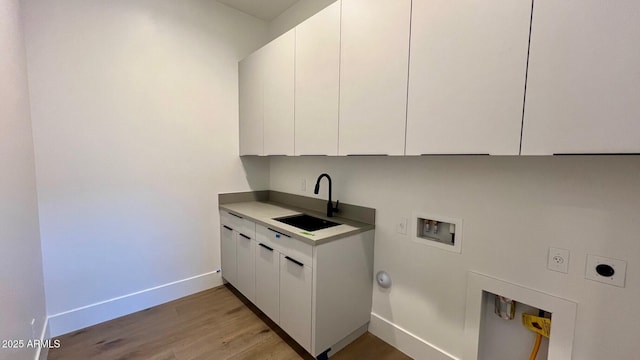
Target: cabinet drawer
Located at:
point(227, 219)
point(238, 223)
point(288, 246)
point(247, 228)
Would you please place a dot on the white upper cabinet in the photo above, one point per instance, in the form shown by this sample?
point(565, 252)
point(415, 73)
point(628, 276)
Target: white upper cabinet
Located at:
point(317, 74)
point(278, 75)
point(467, 76)
point(373, 76)
point(251, 104)
point(583, 88)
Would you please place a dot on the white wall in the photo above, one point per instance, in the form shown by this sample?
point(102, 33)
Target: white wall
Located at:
point(294, 15)
point(21, 282)
point(513, 209)
point(135, 116)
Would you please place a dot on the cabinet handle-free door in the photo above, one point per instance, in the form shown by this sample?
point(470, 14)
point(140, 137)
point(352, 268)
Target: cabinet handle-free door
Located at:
point(294, 261)
point(265, 246)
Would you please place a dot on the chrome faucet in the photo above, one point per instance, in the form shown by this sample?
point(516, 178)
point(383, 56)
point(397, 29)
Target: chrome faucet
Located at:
point(330, 208)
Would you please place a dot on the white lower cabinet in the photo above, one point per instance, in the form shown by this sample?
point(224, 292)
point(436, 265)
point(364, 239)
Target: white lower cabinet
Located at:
point(228, 253)
point(302, 287)
point(295, 300)
point(237, 250)
point(245, 255)
point(268, 281)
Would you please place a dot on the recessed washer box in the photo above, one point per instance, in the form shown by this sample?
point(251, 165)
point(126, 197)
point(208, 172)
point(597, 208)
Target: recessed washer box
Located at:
point(442, 232)
point(563, 313)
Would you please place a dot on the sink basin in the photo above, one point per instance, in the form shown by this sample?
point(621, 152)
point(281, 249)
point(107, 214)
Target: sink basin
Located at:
point(306, 222)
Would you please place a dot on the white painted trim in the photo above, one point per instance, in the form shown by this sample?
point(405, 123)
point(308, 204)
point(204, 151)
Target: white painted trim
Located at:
point(405, 341)
point(84, 316)
point(40, 353)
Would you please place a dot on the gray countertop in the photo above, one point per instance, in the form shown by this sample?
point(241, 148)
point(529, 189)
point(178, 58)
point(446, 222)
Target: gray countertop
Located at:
point(263, 213)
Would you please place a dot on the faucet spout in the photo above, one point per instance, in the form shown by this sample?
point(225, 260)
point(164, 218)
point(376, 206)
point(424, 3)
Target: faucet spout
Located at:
point(330, 208)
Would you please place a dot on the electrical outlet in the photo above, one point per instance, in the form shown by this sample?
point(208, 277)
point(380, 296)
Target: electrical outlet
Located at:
point(303, 185)
point(401, 227)
point(558, 260)
point(606, 270)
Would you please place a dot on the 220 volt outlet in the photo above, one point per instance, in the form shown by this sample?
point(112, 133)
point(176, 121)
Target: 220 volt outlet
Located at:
point(606, 270)
point(558, 260)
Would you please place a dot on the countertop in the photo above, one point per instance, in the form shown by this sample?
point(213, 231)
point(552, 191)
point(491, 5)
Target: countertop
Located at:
point(263, 213)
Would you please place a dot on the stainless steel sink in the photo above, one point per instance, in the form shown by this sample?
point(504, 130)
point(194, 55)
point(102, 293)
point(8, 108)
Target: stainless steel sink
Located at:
point(306, 222)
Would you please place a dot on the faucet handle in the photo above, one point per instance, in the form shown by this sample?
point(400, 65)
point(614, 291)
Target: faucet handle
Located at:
point(335, 209)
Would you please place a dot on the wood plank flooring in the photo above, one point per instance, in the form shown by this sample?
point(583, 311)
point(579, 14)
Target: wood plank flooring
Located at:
point(215, 324)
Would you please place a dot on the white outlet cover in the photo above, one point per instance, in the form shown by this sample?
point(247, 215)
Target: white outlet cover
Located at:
point(558, 260)
point(619, 266)
point(401, 227)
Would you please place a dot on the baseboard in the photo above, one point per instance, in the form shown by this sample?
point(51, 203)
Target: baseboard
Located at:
point(405, 341)
point(102, 311)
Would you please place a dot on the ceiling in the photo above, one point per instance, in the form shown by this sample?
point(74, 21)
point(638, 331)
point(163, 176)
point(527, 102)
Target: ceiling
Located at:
point(266, 10)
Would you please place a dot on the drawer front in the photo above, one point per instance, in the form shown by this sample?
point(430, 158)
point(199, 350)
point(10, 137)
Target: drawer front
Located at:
point(247, 228)
point(238, 223)
point(288, 246)
point(228, 220)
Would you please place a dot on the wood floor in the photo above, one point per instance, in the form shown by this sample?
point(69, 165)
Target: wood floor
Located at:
point(214, 324)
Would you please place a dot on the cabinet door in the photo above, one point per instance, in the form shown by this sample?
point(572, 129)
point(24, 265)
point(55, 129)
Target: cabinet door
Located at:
point(250, 78)
point(278, 95)
point(467, 76)
point(245, 254)
point(267, 281)
point(373, 76)
point(228, 254)
point(317, 83)
point(583, 85)
point(295, 300)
